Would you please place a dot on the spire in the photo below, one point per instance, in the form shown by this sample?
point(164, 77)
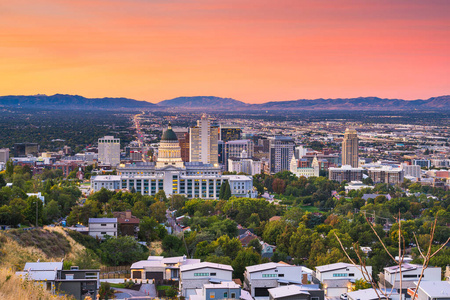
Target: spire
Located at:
point(170, 125)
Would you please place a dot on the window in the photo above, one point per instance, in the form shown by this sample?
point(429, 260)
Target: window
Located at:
point(212, 295)
point(314, 298)
point(280, 275)
point(233, 295)
point(269, 275)
point(212, 274)
point(225, 295)
point(103, 233)
point(69, 276)
point(340, 275)
point(103, 225)
point(201, 274)
point(410, 276)
point(351, 274)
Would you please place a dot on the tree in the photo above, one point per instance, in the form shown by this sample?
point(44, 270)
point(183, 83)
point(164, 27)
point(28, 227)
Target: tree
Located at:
point(122, 250)
point(9, 168)
point(105, 291)
point(158, 211)
point(361, 284)
point(278, 186)
point(226, 191)
point(150, 230)
point(245, 257)
point(2, 181)
point(255, 245)
point(30, 210)
point(52, 210)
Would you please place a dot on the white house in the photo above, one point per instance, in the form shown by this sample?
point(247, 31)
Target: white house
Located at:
point(410, 274)
point(370, 294)
point(260, 278)
point(42, 271)
point(160, 267)
point(100, 227)
point(224, 290)
point(338, 278)
point(194, 276)
point(432, 290)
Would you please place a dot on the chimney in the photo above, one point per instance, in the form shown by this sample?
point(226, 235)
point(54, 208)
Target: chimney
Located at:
point(128, 214)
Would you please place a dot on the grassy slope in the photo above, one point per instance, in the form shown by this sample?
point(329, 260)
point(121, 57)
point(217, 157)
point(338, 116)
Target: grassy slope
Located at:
point(18, 247)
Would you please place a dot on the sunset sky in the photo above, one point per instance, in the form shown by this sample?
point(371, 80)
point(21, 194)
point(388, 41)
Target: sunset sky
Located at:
point(253, 51)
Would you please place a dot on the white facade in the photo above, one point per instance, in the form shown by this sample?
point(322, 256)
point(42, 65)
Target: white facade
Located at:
point(194, 276)
point(203, 142)
point(100, 227)
point(306, 172)
point(410, 274)
point(340, 271)
point(412, 170)
point(246, 165)
point(109, 182)
point(260, 278)
point(109, 150)
point(241, 185)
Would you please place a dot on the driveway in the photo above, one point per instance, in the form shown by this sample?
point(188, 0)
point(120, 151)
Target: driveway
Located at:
point(127, 293)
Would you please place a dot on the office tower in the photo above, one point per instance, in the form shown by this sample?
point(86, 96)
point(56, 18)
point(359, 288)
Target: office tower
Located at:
point(235, 148)
point(221, 152)
point(346, 172)
point(203, 140)
point(4, 155)
point(183, 141)
point(25, 149)
point(230, 134)
point(350, 148)
point(281, 150)
point(109, 150)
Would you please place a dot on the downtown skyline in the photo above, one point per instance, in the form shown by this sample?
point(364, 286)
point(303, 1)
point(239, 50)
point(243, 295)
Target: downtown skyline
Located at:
point(252, 51)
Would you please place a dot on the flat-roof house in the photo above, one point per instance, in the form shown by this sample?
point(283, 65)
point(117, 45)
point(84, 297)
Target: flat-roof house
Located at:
point(224, 290)
point(160, 267)
point(432, 290)
point(296, 292)
point(75, 282)
point(101, 227)
point(260, 278)
point(370, 294)
point(194, 276)
point(338, 278)
point(410, 274)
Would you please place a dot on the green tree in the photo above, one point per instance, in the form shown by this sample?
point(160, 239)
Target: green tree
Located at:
point(122, 250)
point(245, 257)
point(361, 284)
point(30, 211)
point(158, 211)
point(52, 210)
point(150, 230)
point(105, 291)
point(227, 191)
point(255, 245)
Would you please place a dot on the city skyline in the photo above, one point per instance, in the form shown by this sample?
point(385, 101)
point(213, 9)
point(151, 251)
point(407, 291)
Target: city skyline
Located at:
point(254, 51)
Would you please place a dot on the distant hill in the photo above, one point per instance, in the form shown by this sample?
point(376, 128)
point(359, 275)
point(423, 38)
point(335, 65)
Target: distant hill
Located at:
point(361, 103)
point(60, 101)
point(212, 103)
point(204, 102)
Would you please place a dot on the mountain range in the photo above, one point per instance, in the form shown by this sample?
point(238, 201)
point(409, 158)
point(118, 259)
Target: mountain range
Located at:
point(212, 103)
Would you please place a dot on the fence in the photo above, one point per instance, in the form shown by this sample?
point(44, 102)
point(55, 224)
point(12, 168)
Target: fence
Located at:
point(115, 272)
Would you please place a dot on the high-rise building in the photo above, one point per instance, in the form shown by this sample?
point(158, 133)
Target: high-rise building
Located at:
point(350, 148)
point(235, 148)
point(230, 134)
point(346, 172)
point(203, 140)
point(4, 155)
point(25, 149)
point(183, 140)
point(281, 150)
point(109, 150)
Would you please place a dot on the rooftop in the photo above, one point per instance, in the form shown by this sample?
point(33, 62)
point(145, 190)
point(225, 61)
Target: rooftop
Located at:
point(201, 265)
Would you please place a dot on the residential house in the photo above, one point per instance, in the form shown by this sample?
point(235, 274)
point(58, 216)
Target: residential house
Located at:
point(194, 276)
point(75, 282)
point(296, 292)
point(258, 279)
point(371, 294)
point(410, 274)
point(101, 227)
point(128, 224)
point(338, 278)
point(246, 237)
point(160, 267)
point(267, 250)
point(224, 290)
point(431, 290)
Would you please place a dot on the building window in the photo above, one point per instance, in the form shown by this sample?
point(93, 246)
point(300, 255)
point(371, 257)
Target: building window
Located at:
point(269, 275)
point(201, 274)
point(351, 274)
point(340, 275)
point(280, 275)
point(103, 225)
point(233, 295)
point(225, 295)
point(212, 295)
point(103, 233)
point(212, 274)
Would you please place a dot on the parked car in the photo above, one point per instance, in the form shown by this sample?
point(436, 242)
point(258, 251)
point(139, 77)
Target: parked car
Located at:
point(344, 296)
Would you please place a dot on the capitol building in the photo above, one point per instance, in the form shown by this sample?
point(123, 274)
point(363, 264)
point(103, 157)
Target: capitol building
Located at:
point(171, 174)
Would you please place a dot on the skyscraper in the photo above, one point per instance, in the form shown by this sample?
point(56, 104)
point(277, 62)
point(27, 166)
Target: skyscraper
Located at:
point(350, 148)
point(109, 150)
point(281, 150)
point(203, 140)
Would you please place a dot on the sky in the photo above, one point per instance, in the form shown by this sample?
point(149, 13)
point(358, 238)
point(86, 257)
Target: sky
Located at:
point(250, 50)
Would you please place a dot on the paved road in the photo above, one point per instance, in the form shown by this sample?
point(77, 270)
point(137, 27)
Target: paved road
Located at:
point(148, 289)
point(127, 293)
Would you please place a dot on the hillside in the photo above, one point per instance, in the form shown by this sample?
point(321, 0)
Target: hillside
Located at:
point(204, 102)
point(60, 101)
